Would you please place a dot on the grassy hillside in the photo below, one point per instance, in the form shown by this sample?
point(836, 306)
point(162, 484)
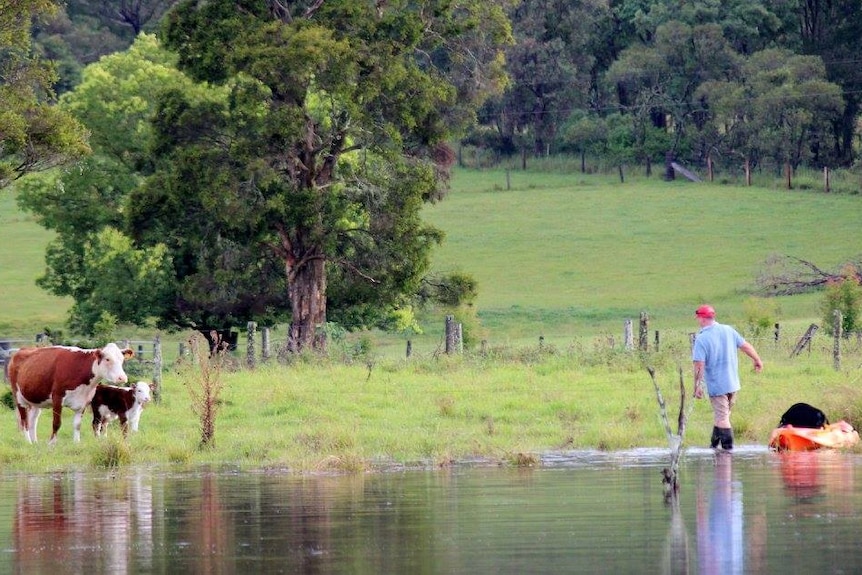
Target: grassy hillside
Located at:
point(568, 254)
point(24, 308)
point(564, 256)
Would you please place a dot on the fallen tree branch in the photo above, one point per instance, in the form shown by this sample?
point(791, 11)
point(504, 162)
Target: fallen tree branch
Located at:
point(788, 275)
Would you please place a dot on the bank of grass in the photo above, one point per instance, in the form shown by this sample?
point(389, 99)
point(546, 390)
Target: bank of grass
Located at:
point(502, 408)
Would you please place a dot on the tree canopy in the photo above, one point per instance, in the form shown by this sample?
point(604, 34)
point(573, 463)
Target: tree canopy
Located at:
point(287, 181)
point(330, 140)
point(34, 134)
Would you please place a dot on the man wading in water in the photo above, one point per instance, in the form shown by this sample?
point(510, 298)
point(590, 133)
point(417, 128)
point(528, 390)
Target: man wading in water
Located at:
point(716, 362)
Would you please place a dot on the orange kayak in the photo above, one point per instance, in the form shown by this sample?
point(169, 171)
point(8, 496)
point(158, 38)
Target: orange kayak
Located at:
point(789, 438)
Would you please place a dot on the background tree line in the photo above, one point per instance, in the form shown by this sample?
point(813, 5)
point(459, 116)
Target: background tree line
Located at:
point(760, 80)
point(267, 160)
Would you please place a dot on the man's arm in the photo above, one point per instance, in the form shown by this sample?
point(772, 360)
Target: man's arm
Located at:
point(698, 379)
point(749, 350)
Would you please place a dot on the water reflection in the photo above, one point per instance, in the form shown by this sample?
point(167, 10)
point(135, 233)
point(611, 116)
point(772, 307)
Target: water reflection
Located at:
point(720, 533)
point(79, 523)
point(749, 512)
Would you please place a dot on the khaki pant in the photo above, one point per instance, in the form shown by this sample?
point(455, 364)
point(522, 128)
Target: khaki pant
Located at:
point(721, 407)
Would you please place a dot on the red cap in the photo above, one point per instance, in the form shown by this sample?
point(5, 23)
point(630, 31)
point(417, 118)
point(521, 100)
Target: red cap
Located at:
point(705, 311)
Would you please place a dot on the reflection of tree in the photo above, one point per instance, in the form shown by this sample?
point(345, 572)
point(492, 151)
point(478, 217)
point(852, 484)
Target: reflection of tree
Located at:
point(677, 550)
point(212, 530)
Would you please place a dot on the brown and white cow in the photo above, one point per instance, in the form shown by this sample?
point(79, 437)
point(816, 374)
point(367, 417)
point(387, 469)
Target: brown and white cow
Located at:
point(124, 403)
point(55, 376)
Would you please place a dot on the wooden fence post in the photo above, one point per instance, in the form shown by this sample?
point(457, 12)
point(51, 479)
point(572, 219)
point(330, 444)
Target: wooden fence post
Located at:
point(450, 334)
point(409, 348)
point(777, 332)
point(804, 340)
point(264, 345)
point(643, 335)
point(250, 358)
point(157, 368)
point(837, 329)
point(826, 186)
point(628, 335)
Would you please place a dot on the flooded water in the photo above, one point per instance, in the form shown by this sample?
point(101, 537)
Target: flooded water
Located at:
point(750, 512)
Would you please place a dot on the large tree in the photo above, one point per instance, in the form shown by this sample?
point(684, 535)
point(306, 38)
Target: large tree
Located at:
point(34, 134)
point(332, 138)
point(85, 205)
point(831, 29)
point(779, 107)
point(660, 81)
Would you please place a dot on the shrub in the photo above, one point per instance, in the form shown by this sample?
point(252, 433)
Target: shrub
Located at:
point(761, 315)
point(844, 295)
point(112, 453)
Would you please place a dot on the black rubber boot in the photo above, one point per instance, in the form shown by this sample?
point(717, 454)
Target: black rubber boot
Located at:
point(716, 437)
point(726, 435)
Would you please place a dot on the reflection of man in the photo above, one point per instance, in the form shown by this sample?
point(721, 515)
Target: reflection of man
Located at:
point(720, 541)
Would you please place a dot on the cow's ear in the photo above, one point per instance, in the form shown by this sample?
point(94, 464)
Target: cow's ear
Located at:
point(128, 353)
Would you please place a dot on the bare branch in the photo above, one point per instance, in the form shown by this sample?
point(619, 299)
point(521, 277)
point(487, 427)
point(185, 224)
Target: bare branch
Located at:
point(788, 275)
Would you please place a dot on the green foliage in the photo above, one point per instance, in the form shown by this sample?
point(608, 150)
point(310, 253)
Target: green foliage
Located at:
point(105, 328)
point(134, 284)
point(761, 315)
point(6, 400)
point(845, 296)
point(34, 134)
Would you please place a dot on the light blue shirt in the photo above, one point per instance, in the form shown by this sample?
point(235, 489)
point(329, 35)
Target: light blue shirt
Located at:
point(716, 347)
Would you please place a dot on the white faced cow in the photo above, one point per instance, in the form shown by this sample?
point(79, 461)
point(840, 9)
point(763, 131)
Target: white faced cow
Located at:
point(55, 376)
point(124, 403)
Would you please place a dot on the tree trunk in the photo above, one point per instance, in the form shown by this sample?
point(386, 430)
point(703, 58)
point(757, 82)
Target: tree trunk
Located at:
point(307, 291)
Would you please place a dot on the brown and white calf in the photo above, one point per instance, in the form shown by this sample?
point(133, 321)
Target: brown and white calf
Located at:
point(124, 403)
point(58, 376)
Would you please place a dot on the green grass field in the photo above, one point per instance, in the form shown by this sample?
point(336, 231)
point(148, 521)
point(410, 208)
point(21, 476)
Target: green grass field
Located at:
point(567, 254)
point(565, 257)
point(23, 306)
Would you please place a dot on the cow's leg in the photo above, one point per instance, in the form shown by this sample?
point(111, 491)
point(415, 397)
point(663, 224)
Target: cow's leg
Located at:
point(57, 404)
point(76, 424)
point(124, 424)
point(32, 423)
point(135, 419)
point(22, 418)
